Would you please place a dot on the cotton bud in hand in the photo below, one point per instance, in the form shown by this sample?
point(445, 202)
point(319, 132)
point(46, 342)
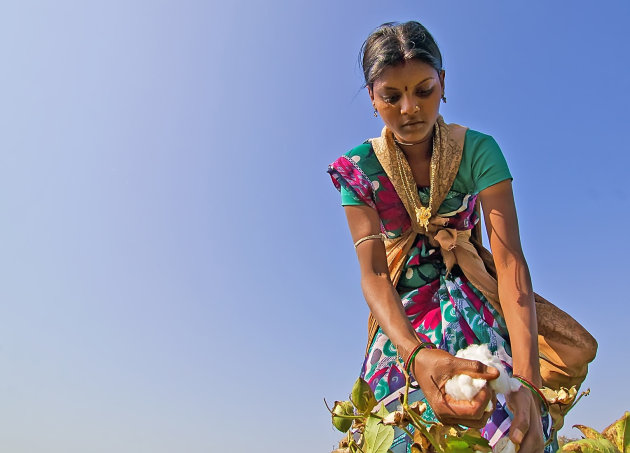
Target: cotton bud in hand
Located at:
point(464, 387)
point(504, 445)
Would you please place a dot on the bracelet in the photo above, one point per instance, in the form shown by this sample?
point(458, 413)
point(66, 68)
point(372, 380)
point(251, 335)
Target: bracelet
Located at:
point(414, 353)
point(380, 236)
point(535, 390)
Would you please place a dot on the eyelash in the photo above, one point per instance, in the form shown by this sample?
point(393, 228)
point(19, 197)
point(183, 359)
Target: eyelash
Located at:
point(421, 93)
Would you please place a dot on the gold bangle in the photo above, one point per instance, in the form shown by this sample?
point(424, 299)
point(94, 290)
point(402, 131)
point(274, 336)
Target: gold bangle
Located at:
point(380, 236)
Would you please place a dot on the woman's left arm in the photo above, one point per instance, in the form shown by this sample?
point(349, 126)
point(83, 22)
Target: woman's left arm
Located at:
point(515, 286)
point(517, 302)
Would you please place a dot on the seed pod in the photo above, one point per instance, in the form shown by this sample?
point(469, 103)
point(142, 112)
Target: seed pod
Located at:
point(342, 408)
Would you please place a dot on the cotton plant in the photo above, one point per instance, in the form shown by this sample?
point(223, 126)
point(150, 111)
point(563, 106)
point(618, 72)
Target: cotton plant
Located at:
point(464, 387)
point(369, 426)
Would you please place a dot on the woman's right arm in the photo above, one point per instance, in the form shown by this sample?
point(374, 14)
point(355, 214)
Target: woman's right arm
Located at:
point(432, 367)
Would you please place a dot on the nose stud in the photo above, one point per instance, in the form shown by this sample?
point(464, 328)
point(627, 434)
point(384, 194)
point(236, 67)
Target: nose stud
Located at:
point(417, 107)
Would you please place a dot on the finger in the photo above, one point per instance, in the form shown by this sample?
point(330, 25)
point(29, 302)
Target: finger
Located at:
point(470, 422)
point(476, 369)
point(520, 423)
point(474, 409)
point(534, 440)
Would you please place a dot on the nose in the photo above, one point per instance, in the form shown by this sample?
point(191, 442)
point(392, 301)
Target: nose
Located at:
point(408, 105)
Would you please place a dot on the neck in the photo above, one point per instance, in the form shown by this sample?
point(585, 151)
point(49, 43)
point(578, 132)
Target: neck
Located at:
point(421, 149)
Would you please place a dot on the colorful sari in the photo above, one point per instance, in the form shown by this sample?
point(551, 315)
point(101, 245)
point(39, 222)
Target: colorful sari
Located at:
point(443, 307)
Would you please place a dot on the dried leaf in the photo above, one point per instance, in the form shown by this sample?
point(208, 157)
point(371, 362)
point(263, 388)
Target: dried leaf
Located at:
point(394, 418)
point(591, 446)
point(619, 433)
point(420, 441)
point(588, 432)
point(419, 407)
point(550, 395)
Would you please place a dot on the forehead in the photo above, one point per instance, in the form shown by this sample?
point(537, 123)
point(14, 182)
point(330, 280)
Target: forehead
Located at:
point(409, 74)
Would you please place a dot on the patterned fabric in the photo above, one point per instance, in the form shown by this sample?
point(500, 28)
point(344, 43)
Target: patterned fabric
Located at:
point(446, 310)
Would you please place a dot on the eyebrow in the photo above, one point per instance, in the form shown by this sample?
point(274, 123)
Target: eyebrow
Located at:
point(419, 83)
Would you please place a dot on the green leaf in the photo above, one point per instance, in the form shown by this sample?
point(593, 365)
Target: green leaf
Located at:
point(455, 445)
point(474, 439)
point(378, 437)
point(591, 446)
point(619, 433)
point(362, 396)
point(344, 408)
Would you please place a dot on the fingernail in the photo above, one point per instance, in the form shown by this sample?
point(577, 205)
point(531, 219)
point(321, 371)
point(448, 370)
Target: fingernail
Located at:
point(517, 436)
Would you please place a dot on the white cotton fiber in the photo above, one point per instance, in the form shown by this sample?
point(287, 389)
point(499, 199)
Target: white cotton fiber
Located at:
point(504, 445)
point(463, 387)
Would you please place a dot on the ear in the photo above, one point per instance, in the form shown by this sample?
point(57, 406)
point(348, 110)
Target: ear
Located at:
point(371, 93)
point(442, 74)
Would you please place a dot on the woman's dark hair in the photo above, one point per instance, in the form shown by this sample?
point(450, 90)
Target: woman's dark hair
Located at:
point(392, 44)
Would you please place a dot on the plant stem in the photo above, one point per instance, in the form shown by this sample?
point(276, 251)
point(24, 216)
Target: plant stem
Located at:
point(584, 393)
point(419, 425)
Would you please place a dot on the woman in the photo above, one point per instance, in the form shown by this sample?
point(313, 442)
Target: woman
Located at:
point(414, 190)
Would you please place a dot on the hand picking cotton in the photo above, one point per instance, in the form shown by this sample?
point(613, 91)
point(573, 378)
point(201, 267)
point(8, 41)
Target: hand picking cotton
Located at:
point(464, 387)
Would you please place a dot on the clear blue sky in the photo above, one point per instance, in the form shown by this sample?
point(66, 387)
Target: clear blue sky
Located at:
point(176, 271)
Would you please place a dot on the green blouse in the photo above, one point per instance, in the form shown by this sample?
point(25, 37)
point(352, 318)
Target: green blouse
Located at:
point(482, 165)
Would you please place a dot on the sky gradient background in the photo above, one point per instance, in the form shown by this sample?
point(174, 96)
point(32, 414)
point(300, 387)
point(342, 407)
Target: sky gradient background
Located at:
point(176, 270)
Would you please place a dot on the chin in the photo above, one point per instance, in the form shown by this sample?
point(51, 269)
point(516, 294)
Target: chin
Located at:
point(413, 138)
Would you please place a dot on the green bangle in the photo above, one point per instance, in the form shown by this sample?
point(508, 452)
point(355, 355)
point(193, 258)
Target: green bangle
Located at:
point(414, 353)
point(534, 390)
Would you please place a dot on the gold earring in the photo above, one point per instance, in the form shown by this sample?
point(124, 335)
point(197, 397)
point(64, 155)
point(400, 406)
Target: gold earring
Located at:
point(375, 113)
point(443, 98)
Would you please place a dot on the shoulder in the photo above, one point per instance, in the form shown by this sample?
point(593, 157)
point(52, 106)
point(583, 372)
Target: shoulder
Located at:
point(483, 162)
point(478, 141)
point(364, 158)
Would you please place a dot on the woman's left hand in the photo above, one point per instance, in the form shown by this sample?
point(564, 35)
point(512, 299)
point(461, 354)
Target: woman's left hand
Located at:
point(526, 429)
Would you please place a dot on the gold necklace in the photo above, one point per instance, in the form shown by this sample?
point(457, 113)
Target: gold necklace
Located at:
point(423, 214)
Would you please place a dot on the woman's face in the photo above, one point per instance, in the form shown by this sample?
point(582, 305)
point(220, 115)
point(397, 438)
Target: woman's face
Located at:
point(407, 96)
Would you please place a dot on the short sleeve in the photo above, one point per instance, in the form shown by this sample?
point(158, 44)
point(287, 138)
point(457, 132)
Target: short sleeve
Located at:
point(350, 179)
point(349, 197)
point(488, 163)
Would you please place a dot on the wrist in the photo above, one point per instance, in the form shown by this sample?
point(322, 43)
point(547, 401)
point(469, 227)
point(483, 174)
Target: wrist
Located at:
point(534, 390)
point(530, 373)
point(414, 357)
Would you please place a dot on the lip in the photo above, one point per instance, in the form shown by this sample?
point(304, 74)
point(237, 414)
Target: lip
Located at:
point(412, 123)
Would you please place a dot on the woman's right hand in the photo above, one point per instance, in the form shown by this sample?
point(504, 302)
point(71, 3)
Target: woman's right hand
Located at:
point(432, 368)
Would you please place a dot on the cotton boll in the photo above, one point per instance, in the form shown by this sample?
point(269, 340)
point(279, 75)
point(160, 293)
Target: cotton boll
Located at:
point(504, 445)
point(503, 384)
point(464, 387)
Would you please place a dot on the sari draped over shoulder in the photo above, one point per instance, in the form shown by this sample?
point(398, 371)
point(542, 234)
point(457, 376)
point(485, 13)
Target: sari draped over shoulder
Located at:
point(443, 275)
